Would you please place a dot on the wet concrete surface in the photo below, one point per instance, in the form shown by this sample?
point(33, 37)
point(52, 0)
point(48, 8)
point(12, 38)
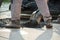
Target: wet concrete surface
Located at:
point(31, 33)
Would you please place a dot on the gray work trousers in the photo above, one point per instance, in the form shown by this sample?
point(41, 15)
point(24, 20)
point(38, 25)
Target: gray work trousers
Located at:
point(42, 6)
point(16, 9)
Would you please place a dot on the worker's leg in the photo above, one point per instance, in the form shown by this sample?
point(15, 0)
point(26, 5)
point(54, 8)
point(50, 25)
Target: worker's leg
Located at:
point(44, 10)
point(16, 9)
point(15, 12)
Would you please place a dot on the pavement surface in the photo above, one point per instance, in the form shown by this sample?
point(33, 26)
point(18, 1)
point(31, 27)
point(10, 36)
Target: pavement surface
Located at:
point(31, 33)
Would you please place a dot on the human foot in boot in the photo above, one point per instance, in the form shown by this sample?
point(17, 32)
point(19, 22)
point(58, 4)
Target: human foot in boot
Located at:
point(49, 25)
point(13, 24)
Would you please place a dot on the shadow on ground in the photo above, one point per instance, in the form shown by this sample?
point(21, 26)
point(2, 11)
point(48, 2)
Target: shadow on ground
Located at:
point(47, 35)
point(15, 35)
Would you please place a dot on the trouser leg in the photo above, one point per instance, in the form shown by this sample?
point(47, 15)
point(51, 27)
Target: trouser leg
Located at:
point(44, 10)
point(15, 13)
point(16, 9)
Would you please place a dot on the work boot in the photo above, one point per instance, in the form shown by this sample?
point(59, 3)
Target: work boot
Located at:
point(48, 24)
point(13, 24)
